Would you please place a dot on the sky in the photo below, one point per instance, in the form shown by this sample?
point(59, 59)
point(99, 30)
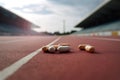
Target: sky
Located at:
point(51, 15)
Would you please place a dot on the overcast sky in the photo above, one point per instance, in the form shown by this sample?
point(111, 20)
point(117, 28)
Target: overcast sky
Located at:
point(49, 14)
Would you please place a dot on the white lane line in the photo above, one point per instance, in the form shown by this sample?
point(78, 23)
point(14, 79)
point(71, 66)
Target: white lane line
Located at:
point(5, 73)
point(109, 39)
point(106, 39)
point(10, 41)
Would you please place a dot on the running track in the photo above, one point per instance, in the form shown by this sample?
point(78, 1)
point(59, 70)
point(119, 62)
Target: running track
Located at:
point(21, 58)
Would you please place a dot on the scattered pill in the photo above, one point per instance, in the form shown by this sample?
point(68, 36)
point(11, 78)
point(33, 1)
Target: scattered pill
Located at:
point(56, 46)
point(64, 44)
point(65, 47)
point(45, 49)
point(82, 46)
point(89, 48)
point(51, 49)
point(62, 49)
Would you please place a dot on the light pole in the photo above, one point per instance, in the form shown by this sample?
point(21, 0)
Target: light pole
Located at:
point(64, 26)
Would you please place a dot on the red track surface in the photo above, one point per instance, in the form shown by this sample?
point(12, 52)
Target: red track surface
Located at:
point(104, 64)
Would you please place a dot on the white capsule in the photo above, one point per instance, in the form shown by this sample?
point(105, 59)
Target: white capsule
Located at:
point(63, 49)
point(51, 49)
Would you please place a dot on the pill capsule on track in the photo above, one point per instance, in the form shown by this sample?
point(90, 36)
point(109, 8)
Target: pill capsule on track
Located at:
point(82, 46)
point(89, 48)
point(63, 49)
point(56, 46)
point(51, 49)
point(45, 49)
point(64, 44)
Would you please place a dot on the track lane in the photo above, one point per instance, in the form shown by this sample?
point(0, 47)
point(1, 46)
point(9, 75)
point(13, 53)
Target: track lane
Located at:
point(18, 64)
point(13, 51)
point(77, 65)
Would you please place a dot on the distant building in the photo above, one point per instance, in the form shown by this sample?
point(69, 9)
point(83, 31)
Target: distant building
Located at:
point(12, 24)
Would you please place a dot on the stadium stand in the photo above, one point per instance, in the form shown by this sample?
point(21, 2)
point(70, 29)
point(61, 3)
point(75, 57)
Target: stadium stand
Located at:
point(104, 21)
point(12, 24)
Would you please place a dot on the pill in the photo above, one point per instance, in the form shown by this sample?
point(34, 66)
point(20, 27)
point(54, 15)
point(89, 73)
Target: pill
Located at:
point(82, 46)
point(62, 49)
point(56, 46)
point(64, 44)
point(89, 48)
point(45, 49)
point(51, 49)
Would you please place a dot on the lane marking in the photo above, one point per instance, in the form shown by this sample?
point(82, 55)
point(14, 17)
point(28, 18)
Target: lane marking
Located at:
point(10, 41)
point(106, 39)
point(5, 73)
point(15, 40)
point(109, 39)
